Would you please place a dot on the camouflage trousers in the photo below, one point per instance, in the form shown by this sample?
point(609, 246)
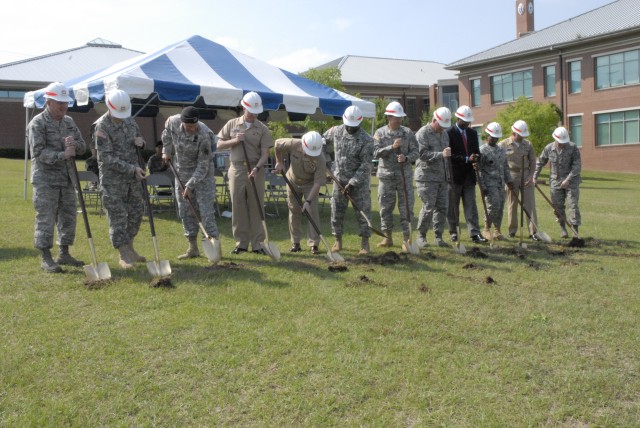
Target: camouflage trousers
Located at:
point(388, 188)
point(339, 203)
point(570, 196)
point(435, 201)
point(55, 208)
point(494, 197)
point(124, 205)
point(203, 199)
point(296, 215)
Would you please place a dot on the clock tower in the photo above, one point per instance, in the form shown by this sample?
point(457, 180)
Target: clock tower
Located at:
point(524, 17)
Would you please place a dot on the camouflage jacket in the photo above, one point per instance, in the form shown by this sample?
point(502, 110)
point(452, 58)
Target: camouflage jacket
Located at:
point(431, 164)
point(388, 165)
point(353, 155)
point(117, 155)
point(46, 142)
point(494, 169)
point(192, 154)
point(564, 164)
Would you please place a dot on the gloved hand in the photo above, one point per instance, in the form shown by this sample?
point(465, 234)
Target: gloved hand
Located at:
point(139, 142)
point(474, 158)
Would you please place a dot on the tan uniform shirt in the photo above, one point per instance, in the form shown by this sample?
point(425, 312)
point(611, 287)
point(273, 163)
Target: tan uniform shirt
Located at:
point(303, 169)
point(515, 152)
point(256, 138)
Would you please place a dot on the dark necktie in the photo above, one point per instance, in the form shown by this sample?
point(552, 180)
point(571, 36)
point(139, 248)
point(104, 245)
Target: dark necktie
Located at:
point(464, 140)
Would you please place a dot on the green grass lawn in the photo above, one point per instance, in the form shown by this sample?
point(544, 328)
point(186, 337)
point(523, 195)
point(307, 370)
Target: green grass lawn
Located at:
point(543, 337)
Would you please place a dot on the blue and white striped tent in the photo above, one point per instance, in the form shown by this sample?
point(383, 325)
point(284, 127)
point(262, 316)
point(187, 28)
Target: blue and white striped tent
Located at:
point(197, 67)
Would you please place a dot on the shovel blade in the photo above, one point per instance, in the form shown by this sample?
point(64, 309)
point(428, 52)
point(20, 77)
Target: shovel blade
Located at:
point(544, 237)
point(91, 272)
point(212, 249)
point(160, 268)
point(271, 250)
point(99, 272)
point(462, 249)
point(334, 257)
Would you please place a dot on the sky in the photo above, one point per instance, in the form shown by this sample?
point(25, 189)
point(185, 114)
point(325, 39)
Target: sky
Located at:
point(293, 35)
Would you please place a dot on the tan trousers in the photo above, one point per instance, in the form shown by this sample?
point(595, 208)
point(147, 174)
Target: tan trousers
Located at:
point(246, 224)
point(296, 215)
point(513, 208)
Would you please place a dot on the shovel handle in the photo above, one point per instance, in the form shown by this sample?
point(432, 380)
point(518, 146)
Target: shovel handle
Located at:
point(253, 182)
point(145, 194)
point(76, 184)
point(299, 200)
point(193, 209)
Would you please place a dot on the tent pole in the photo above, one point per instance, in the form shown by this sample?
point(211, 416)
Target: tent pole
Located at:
point(26, 150)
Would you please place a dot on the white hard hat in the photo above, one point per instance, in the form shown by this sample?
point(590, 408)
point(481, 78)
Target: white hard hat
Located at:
point(394, 109)
point(494, 130)
point(521, 128)
point(58, 92)
point(352, 116)
point(561, 135)
point(443, 117)
point(464, 113)
point(312, 143)
point(118, 103)
point(252, 102)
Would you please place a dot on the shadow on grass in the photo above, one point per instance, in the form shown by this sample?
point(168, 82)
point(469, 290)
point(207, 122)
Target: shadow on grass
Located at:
point(14, 253)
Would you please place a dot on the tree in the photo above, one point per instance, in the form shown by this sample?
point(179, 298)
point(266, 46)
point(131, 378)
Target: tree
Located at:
point(542, 119)
point(331, 77)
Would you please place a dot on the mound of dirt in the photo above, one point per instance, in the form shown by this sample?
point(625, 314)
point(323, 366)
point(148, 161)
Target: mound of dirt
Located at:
point(388, 258)
point(477, 253)
point(161, 282)
point(225, 266)
point(337, 268)
point(489, 280)
point(576, 242)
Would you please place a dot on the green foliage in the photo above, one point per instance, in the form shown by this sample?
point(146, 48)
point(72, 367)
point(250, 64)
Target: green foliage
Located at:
point(542, 119)
point(279, 129)
point(380, 119)
point(331, 77)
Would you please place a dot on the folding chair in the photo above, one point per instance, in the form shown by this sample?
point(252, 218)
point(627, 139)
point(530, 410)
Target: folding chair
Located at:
point(275, 191)
point(161, 190)
point(91, 189)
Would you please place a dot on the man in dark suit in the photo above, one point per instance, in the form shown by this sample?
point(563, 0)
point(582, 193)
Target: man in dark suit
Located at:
point(465, 153)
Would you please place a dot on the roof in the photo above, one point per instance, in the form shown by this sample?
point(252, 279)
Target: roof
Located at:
point(618, 17)
point(388, 71)
point(64, 65)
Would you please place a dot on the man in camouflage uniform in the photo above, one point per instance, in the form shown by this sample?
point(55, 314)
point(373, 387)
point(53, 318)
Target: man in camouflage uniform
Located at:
point(396, 148)
point(192, 143)
point(564, 178)
point(155, 163)
point(54, 140)
point(256, 138)
point(117, 136)
point(494, 174)
point(307, 174)
point(518, 149)
point(431, 176)
point(353, 151)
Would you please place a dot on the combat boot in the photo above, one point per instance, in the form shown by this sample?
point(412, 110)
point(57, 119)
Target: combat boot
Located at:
point(387, 241)
point(364, 246)
point(337, 246)
point(48, 265)
point(563, 234)
point(126, 258)
point(497, 234)
point(136, 257)
point(192, 251)
point(64, 258)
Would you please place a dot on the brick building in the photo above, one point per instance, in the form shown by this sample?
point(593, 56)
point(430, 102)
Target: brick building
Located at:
point(588, 65)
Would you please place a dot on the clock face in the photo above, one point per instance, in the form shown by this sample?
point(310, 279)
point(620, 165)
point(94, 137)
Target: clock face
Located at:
point(520, 8)
point(530, 7)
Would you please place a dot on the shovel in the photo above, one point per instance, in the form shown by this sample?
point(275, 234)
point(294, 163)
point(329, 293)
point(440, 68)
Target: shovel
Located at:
point(353, 204)
point(95, 271)
point(408, 246)
point(157, 267)
point(210, 245)
point(542, 235)
point(522, 244)
point(269, 247)
point(448, 172)
point(559, 215)
point(333, 257)
point(484, 205)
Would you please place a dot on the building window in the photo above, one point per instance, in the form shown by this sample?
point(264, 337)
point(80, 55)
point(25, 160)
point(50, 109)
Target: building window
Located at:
point(411, 108)
point(575, 76)
point(450, 97)
point(511, 86)
point(480, 130)
point(475, 92)
point(575, 129)
point(618, 69)
point(426, 105)
point(621, 127)
point(13, 95)
point(550, 81)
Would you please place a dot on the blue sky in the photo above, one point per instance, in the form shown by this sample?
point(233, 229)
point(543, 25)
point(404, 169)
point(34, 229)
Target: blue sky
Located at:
point(294, 35)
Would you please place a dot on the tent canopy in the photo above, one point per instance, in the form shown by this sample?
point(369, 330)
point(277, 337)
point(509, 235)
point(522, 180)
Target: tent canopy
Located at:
point(197, 69)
